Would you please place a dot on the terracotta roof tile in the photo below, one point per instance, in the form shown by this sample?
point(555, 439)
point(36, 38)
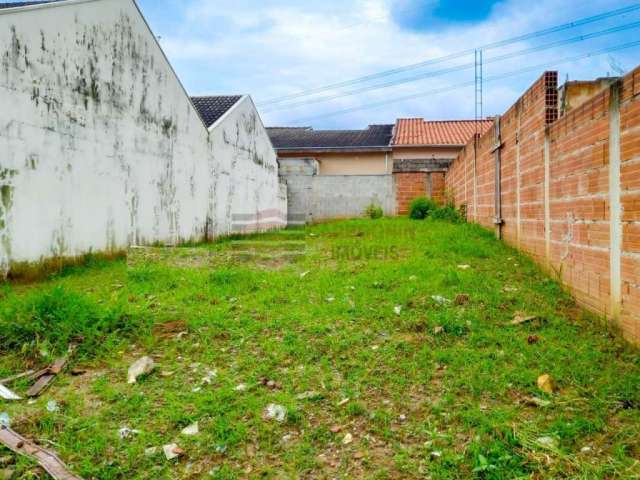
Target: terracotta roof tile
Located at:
point(417, 131)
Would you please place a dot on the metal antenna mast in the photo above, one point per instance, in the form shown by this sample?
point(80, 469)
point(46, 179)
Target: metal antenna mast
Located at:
point(479, 87)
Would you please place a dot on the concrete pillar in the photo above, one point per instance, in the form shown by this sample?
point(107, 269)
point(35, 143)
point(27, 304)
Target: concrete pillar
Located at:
point(518, 183)
point(547, 200)
point(475, 178)
point(615, 204)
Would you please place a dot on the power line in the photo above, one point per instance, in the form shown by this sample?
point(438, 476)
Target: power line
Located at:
point(458, 68)
point(501, 43)
point(471, 83)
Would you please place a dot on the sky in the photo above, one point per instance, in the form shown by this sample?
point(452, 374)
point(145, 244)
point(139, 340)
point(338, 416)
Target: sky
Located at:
point(278, 48)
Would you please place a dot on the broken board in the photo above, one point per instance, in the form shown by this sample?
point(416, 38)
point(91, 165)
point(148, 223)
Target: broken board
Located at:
point(47, 460)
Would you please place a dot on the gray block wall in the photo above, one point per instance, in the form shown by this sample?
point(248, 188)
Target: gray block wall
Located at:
point(312, 197)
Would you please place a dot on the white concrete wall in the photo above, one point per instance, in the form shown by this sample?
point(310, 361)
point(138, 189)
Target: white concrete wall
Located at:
point(100, 146)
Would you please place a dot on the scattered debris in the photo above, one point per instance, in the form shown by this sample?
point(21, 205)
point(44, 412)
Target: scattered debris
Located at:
point(210, 377)
point(172, 451)
point(509, 289)
point(464, 267)
point(520, 318)
point(402, 418)
point(151, 452)
point(192, 430)
point(272, 384)
point(7, 394)
point(13, 378)
point(397, 309)
point(275, 412)
point(440, 299)
point(167, 374)
point(310, 395)
point(546, 442)
point(546, 384)
point(535, 402)
point(438, 330)
point(586, 449)
point(52, 406)
point(304, 274)
point(143, 366)
point(344, 401)
point(348, 438)
point(241, 387)
point(126, 433)
point(461, 299)
point(47, 460)
point(5, 420)
point(331, 299)
point(336, 429)
point(221, 449)
point(45, 377)
point(436, 454)
point(375, 347)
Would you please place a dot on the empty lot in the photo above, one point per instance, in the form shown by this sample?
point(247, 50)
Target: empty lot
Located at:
point(389, 345)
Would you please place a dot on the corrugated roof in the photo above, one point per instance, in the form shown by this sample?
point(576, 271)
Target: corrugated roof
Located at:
point(306, 138)
point(213, 107)
point(417, 131)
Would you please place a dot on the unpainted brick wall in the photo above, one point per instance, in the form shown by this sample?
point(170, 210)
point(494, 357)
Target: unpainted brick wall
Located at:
point(555, 193)
point(410, 185)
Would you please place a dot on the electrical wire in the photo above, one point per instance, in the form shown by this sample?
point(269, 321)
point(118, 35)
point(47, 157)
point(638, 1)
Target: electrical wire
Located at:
point(558, 28)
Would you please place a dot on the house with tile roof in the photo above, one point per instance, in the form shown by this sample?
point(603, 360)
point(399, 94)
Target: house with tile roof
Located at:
point(413, 154)
point(423, 150)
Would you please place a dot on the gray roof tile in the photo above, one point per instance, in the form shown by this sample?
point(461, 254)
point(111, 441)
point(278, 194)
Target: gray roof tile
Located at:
point(376, 136)
point(212, 108)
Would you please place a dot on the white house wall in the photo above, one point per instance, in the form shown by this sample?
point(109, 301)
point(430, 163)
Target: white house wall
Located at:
point(100, 147)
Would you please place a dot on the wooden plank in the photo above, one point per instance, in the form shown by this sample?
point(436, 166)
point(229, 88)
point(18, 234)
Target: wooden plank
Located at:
point(13, 378)
point(49, 374)
point(47, 459)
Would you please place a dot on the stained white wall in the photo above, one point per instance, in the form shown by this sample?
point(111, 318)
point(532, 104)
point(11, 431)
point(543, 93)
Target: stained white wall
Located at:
point(100, 147)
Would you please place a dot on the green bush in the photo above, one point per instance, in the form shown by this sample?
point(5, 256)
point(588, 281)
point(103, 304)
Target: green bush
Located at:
point(54, 319)
point(448, 213)
point(421, 207)
point(374, 212)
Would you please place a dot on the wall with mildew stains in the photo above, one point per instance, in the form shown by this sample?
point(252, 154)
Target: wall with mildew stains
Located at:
point(101, 148)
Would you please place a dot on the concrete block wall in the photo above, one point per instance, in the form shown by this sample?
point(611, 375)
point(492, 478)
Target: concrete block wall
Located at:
point(569, 191)
point(100, 146)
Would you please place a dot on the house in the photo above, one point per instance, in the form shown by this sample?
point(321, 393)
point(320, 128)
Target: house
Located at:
point(337, 152)
point(338, 173)
point(422, 153)
point(102, 148)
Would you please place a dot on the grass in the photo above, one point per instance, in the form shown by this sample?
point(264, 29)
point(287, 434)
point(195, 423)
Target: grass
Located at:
point(437, 391)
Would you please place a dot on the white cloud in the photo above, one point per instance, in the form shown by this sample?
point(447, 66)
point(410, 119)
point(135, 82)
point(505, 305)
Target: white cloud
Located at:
point(279, 47)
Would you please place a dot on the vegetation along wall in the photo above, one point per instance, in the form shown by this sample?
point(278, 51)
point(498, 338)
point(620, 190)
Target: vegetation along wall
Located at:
point(566, 191)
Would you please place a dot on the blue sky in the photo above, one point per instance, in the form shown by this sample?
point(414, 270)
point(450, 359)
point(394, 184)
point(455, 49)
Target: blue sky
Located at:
point(273, 48)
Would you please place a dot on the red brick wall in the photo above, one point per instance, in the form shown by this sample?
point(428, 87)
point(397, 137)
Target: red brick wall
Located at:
point(437, 187)
point(418, 184)
point(408, 187)
point(578, 249)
